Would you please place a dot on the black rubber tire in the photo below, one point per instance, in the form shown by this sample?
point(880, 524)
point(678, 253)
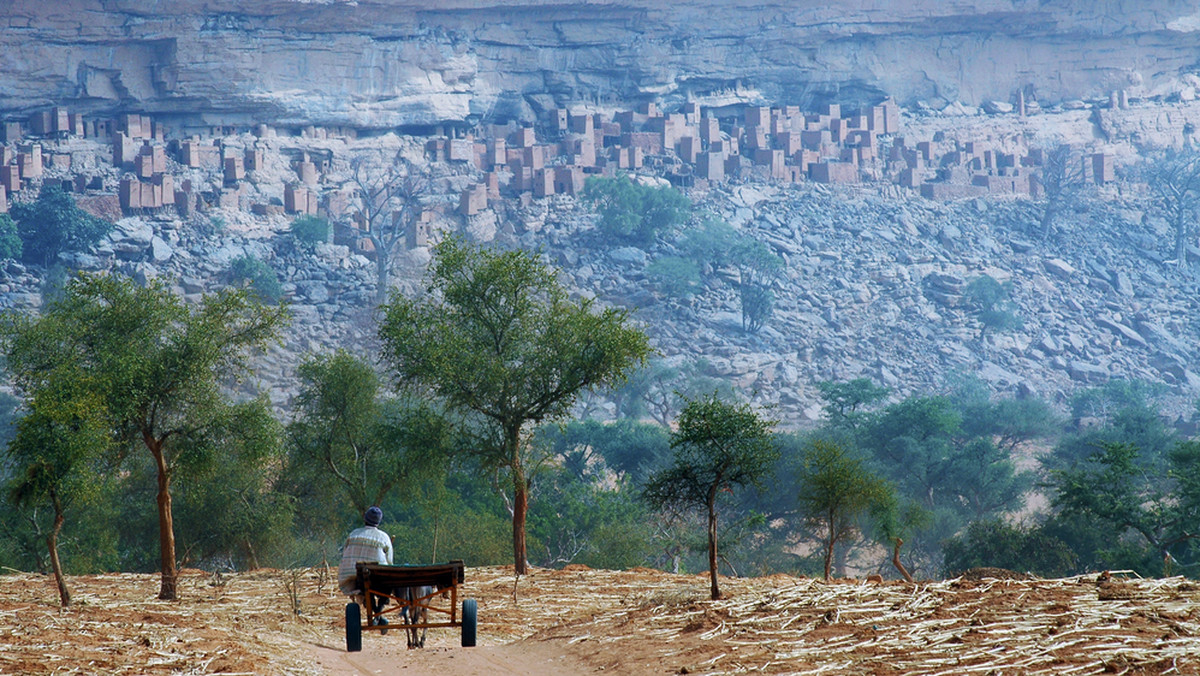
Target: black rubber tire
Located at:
point(470, 617)
point(353, 628)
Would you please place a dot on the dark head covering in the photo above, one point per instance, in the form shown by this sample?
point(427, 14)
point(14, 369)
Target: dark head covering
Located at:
point(373, 517)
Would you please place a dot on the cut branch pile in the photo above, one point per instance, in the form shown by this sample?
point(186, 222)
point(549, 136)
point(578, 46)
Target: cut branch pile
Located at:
point(1014, 626)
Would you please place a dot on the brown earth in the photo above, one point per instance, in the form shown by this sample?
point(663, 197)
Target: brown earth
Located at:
point(642, 621)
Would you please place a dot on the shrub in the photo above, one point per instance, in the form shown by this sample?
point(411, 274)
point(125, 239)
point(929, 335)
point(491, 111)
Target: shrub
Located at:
point(996, 544)
point(632, 212)
point(10, 240)
point(676, 277)
point(310, 230)
point(712, 242)
point(53, 223)
point(261, 278)
point(758, 304)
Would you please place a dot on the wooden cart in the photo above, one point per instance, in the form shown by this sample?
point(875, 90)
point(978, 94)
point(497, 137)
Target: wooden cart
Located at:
point(378, 581)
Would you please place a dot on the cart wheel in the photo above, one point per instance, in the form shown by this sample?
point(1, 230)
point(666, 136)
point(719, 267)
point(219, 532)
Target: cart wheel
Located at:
point(353, 628)
point(469, 619)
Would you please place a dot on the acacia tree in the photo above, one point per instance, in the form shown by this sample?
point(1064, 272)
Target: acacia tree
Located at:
point(718, 446)
point(1161, 509)
point(54, 449)
point(387, 200)
point(349, 433)
point(836, 492)
point(153, 366)
point(52, 224)
point(498, 340)
point(1173, 176)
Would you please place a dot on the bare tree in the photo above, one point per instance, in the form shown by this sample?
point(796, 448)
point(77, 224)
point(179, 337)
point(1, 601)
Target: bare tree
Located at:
point(386, 202)
point(1060, 179)
point(1173, 176)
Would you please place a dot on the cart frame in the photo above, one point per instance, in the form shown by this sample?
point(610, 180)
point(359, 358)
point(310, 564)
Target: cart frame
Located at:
point(377, 581)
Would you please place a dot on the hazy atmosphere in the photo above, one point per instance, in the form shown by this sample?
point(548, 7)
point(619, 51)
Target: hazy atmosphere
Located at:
point(622, 336)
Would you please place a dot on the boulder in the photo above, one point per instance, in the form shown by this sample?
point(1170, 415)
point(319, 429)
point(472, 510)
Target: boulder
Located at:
point(997, 107)
point(1087, 373)
point(1059, 268)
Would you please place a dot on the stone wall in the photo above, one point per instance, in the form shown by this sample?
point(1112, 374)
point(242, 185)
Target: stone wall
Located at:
point(384, 63)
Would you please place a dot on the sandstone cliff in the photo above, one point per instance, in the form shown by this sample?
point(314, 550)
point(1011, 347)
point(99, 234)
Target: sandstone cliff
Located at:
point(386, 63)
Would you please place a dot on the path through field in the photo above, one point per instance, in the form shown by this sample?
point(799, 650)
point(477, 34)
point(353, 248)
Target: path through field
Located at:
point(638, 622)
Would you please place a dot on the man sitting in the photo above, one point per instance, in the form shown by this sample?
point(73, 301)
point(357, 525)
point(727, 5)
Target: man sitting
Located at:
point(367, 544)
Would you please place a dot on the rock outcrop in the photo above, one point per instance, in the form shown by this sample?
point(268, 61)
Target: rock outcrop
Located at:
point(388, 63)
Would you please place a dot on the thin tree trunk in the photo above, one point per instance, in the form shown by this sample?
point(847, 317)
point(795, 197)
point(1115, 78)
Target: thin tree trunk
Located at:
point(829, 549)
point(382, 272)
point(712, 545)
point(64, 595)
point(1181, 239)
point(896, 560)
point(520, 501)
point(166, 525)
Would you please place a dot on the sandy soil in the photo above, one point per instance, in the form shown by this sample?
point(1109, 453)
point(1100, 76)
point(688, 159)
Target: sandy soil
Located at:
point(639, 622)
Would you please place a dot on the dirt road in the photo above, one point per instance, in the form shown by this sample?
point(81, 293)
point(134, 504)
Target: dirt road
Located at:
point(389, 656)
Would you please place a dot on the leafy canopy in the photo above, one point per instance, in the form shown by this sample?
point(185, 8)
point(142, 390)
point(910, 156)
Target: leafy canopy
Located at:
point(351, 439)
point(632, 212)
point(310, 230)
point(499, 337)
point(152, 368)
point(52, 224)
point(498, 342)
point(718, 446)
point(837, 491)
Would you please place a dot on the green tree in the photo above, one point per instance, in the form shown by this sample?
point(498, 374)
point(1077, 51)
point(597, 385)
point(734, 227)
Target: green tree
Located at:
point(590, 449)
point(1120, 412)
point(349, 434)
point(718, 446)
point(55, 451)
point(632, 212)
point(715, 244)
point(259, 276)
point(675, 276)
point(53, 223)
point(996, 544)
point(499, 341)
point(230, 511)
point(153, 365)
point(989, 300)
point(310, 230)
point(837, 492)
point(10, 239)
point(1159, 511)
point(577, 520)
point(922, 446)
point(846, 402)
point(711, 242)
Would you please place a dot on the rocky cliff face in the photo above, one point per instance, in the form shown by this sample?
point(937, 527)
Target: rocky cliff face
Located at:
point(385, 63)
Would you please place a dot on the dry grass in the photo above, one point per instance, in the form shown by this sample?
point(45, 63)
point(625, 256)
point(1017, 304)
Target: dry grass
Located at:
point(626, 621)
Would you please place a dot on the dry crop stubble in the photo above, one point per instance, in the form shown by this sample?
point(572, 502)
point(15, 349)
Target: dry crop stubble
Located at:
point(639, 621)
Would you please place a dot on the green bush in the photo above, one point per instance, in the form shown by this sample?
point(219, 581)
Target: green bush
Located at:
point(10, 240)
point(261, 278)
point(995, 544)
point(52, 224)
point(634, 213)
point(310, 230)
point(675, 276)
